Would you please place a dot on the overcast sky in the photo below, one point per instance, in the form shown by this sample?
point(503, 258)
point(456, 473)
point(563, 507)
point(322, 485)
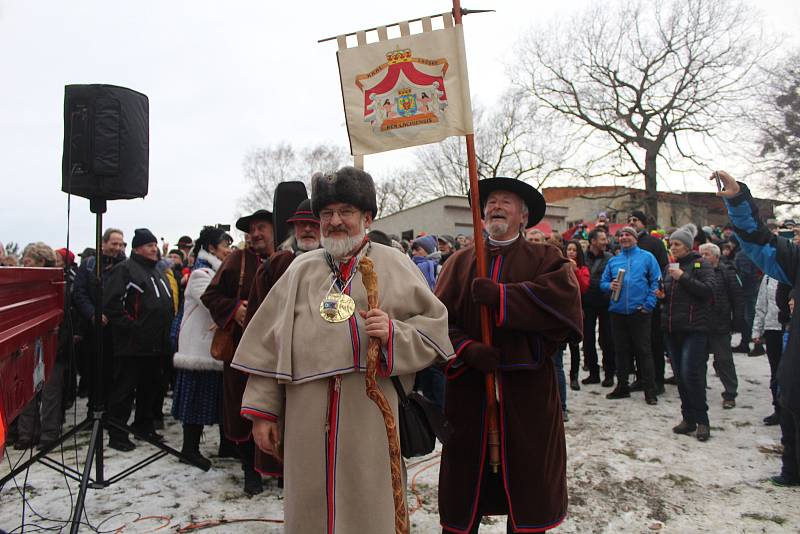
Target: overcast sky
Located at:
point(222, 78)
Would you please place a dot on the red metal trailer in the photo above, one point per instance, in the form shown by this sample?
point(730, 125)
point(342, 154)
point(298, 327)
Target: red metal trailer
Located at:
point(31, 309)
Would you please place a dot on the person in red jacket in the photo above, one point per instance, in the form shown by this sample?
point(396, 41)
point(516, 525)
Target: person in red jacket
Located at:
point(574, 253)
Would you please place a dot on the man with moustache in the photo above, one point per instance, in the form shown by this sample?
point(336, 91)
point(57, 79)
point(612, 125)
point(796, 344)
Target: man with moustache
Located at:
point(226, 300)
point(305, 350)
point(534, 303)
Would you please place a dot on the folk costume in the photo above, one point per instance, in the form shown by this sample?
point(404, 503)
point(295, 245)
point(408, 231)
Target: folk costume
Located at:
point(307, 374)
point(536, 306)
point(223, 297)
point(268, 273)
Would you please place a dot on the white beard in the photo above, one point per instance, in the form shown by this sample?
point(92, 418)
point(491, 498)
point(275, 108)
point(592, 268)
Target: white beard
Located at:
point(497, 228)
point(307, 245)
point(339, 248)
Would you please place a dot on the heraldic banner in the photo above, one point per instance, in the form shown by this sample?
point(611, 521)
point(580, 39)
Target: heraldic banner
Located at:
point(407, 91)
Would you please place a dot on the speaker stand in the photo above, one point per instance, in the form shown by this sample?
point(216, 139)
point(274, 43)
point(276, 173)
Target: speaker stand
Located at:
point(96, 419)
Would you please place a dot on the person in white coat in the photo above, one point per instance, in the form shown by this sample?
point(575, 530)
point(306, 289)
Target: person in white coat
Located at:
point(767, 328)
point(197, 396)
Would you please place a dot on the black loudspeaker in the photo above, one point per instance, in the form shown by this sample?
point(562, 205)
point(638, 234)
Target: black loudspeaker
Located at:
point(106, 142)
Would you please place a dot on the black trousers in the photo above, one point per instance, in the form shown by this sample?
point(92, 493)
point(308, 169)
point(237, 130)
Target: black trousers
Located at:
point(491, 483)
point(99, 390)
point(139, 378)
point(657, 346)
point(774, 344)
point(790, 438)
point(597, 326)
point(632, 339)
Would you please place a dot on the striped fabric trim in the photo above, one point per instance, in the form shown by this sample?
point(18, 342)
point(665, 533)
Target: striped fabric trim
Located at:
point(331, 441)
point(248, 411)
point(501, 316)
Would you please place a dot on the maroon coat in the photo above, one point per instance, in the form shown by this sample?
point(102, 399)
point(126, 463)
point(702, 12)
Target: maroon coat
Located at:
point(266, 276)
point(222, 301)
point(539, 308)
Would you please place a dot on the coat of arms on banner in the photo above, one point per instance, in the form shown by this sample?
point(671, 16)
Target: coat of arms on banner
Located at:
point(403, 92)
point(407, 91)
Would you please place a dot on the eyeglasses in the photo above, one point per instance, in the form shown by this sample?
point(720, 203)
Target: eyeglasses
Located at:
point(632, 219)
point(344, 214)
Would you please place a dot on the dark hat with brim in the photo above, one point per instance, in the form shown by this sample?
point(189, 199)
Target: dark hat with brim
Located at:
point(243, 223)
point(303, 213)
point(533, 199)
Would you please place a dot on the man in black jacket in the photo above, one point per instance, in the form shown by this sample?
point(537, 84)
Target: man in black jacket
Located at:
point(727, 316)
point(654, 246)
point(595, 310)
point(83, 299)
point(138, 303)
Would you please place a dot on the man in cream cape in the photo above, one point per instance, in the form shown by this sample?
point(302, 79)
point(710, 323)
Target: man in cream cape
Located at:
point(306, 392)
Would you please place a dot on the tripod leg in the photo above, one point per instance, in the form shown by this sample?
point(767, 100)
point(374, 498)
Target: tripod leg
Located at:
point(97, 437)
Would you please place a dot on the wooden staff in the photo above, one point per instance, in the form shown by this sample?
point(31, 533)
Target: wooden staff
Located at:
point(401, 526)
point(493, 434)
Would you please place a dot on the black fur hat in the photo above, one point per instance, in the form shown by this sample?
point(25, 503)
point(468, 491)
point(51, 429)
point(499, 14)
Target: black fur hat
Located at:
point(348, 185)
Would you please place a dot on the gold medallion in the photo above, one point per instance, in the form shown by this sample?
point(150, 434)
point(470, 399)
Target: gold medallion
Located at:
point(337, 307)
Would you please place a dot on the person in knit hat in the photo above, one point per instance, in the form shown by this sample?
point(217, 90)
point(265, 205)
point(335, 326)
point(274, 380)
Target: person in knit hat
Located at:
point(631, 310)
point(689, 285)
point(138, 303)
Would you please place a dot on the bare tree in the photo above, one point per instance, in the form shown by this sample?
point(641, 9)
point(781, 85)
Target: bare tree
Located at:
point(512, 139)
point(646, 78)
point(779, 125)
point(265, 167)
point(398, 193)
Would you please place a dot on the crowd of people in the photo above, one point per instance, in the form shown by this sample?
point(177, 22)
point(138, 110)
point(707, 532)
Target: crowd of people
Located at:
point(628, 303)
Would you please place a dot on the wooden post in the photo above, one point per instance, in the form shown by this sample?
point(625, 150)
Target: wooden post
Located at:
point(493, 436)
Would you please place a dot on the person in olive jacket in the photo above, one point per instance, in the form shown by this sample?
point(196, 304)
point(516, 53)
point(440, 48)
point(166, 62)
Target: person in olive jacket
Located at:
point(686, 314)
point(138, 304)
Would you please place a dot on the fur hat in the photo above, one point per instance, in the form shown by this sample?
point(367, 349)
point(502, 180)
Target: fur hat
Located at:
point(685, 234)
point(348, 185)
point(142, 236)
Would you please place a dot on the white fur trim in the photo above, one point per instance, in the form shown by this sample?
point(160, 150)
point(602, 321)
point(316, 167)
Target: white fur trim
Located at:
point(190, 362)
point(210, 258)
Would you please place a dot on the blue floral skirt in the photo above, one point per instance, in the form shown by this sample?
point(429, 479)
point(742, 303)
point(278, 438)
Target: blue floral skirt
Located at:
point(197, 397)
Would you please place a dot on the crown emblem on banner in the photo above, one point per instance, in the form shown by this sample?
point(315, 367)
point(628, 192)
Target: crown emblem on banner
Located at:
point(404, 92)
point(398, 56)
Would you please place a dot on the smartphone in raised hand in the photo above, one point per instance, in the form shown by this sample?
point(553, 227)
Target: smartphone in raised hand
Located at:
point(718, 181)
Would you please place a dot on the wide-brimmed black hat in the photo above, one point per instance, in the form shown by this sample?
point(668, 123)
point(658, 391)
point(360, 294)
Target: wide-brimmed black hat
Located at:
point(243, 223)
point(532, 198)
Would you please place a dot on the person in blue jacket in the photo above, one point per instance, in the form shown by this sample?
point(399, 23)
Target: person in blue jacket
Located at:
point(631, 313)
point(779, 258)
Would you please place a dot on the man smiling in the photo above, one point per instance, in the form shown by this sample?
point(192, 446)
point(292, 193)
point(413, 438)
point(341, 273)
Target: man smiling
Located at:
point(305, 351)
point(535, 305)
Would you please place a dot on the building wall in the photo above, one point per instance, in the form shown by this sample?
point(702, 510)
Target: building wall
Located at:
point(448, 215)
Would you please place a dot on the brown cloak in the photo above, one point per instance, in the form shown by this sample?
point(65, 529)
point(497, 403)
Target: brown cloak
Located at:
point(539, 308)
point(266, 276)
point(222, 301)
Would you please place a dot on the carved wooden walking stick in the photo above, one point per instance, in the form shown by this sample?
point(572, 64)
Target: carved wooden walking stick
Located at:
point(401, 526)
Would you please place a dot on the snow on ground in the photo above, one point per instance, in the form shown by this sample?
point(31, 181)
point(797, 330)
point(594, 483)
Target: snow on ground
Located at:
point(628, 473)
